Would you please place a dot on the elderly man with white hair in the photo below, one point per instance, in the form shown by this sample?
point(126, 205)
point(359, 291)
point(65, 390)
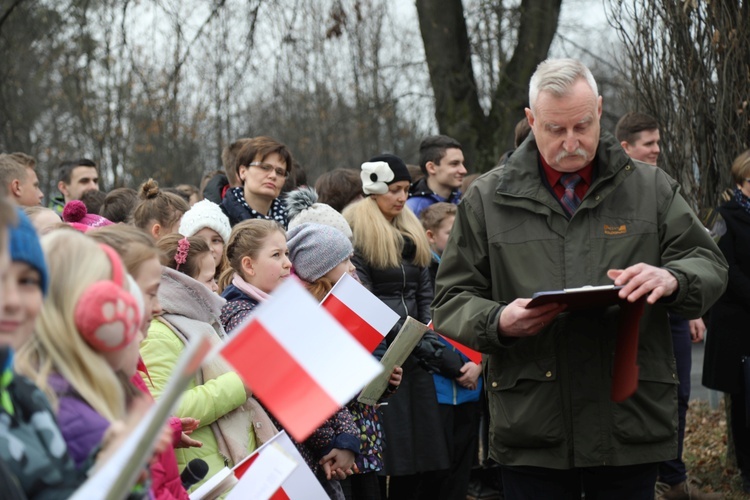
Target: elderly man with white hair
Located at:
point(567, 210)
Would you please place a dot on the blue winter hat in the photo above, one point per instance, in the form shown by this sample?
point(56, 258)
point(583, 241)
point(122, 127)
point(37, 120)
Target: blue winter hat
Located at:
point(25, 247)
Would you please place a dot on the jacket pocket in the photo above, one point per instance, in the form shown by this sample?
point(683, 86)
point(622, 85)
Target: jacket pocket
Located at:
point(525, 404)
point(649, 415)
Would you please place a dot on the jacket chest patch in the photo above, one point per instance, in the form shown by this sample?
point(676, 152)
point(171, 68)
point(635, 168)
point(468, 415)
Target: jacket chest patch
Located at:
point(615, 230)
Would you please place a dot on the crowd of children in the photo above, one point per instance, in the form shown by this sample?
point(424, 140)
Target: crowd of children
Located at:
point(97, 309)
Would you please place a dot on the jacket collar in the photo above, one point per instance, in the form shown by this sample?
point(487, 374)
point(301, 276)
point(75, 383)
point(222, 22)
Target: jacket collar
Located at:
point(182, 295)
point(237, 209)
point(520, 181)
point(420, 188)
point(521, 177)
point(736, 209)
point(232, 293)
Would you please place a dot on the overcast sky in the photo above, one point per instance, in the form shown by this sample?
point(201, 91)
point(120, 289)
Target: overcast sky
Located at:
point(583, 24)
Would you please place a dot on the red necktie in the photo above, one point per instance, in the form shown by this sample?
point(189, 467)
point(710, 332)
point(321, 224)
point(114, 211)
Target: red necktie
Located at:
point(570, 199)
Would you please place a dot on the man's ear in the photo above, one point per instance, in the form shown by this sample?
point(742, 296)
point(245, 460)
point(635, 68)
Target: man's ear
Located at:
point(431, 168)
point(626, 146)
point(246, 263)
point(15, 188)
point(529, 117)
point(63, 188)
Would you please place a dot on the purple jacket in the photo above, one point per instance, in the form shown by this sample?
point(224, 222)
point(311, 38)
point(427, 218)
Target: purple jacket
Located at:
point(81, 426)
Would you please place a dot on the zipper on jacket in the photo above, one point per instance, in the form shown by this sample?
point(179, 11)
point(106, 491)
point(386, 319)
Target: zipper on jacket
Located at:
point(403, 287)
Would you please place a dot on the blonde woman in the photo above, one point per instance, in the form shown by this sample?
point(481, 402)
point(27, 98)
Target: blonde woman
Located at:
point(392, 255)
point(81, 360)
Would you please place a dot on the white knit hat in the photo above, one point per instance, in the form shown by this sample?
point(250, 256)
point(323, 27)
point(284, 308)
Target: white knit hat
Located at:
point(205, 214)
point(302, 207)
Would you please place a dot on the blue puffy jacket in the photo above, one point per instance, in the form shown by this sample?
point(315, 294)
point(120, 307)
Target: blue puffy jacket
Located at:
point(450, 392)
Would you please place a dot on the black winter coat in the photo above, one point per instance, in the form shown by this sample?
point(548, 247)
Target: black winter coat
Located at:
point(414, 436)
point(728, 335)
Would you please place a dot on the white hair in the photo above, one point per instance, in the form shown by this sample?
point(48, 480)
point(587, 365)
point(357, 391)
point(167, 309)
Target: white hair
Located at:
point(557, 76)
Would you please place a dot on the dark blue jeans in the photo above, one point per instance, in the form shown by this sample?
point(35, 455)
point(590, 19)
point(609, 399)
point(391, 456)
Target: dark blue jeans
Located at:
point(630, 482)
point(673, 471)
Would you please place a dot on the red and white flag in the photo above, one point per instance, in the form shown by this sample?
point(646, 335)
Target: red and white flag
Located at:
point(467, 351)
point(298, 360)
point(301, 484)
point(360, 312)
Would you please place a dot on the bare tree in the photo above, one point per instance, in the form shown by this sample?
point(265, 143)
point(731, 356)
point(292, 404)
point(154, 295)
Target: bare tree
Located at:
point(158, 87)
point(689, 64)
point(514, 39)
point(124, 83)
point(343, 78)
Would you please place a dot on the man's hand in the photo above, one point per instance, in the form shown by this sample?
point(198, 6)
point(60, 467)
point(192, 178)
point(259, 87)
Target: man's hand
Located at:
point(697, 330)
point(643, 279)
point(517, 321)
point(471, 372)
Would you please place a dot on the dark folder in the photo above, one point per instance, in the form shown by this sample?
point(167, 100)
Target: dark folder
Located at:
point(625, 373)
point(587, 297)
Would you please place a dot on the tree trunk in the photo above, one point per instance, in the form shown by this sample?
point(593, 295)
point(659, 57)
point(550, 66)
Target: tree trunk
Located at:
point(448, 53)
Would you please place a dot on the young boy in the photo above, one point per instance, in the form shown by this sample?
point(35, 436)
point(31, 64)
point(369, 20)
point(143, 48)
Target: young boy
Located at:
point(437, 220)
point(458, 398)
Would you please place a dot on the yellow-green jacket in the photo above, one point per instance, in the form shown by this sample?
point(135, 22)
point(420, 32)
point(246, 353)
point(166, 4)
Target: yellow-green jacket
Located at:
point(207, 402)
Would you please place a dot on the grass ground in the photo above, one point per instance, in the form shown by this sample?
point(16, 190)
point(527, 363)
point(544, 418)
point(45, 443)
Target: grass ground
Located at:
point(705, 452)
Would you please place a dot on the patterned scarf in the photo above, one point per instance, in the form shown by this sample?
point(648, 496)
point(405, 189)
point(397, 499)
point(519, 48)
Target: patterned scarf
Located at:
point(277, 211)
point(743, 200)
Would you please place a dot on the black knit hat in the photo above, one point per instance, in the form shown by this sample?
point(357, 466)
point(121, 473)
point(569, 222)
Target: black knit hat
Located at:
point(373, 180)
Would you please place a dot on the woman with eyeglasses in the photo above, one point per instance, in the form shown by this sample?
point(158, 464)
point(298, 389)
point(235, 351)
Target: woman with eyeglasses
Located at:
point(262, 166)
point(727, 355)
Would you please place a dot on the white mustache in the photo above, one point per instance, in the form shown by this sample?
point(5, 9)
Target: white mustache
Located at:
point(578, 152)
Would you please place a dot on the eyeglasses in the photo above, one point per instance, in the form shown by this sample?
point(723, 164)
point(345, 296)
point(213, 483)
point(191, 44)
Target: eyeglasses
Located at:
point(265, 167)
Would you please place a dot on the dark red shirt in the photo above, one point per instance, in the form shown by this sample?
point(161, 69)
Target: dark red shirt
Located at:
point(553, 177)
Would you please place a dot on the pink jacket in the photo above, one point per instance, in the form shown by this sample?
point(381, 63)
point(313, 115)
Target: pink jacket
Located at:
point(165, 477)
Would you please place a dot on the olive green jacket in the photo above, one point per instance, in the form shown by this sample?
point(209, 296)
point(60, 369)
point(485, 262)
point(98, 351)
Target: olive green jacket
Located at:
point(549, 395)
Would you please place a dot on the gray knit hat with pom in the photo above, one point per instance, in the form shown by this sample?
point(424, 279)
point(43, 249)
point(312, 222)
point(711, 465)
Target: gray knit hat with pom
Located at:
point(315, 249)
point(302, 206)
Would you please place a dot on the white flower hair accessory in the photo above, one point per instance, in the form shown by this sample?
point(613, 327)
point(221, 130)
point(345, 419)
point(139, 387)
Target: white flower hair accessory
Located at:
point(375, 176)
